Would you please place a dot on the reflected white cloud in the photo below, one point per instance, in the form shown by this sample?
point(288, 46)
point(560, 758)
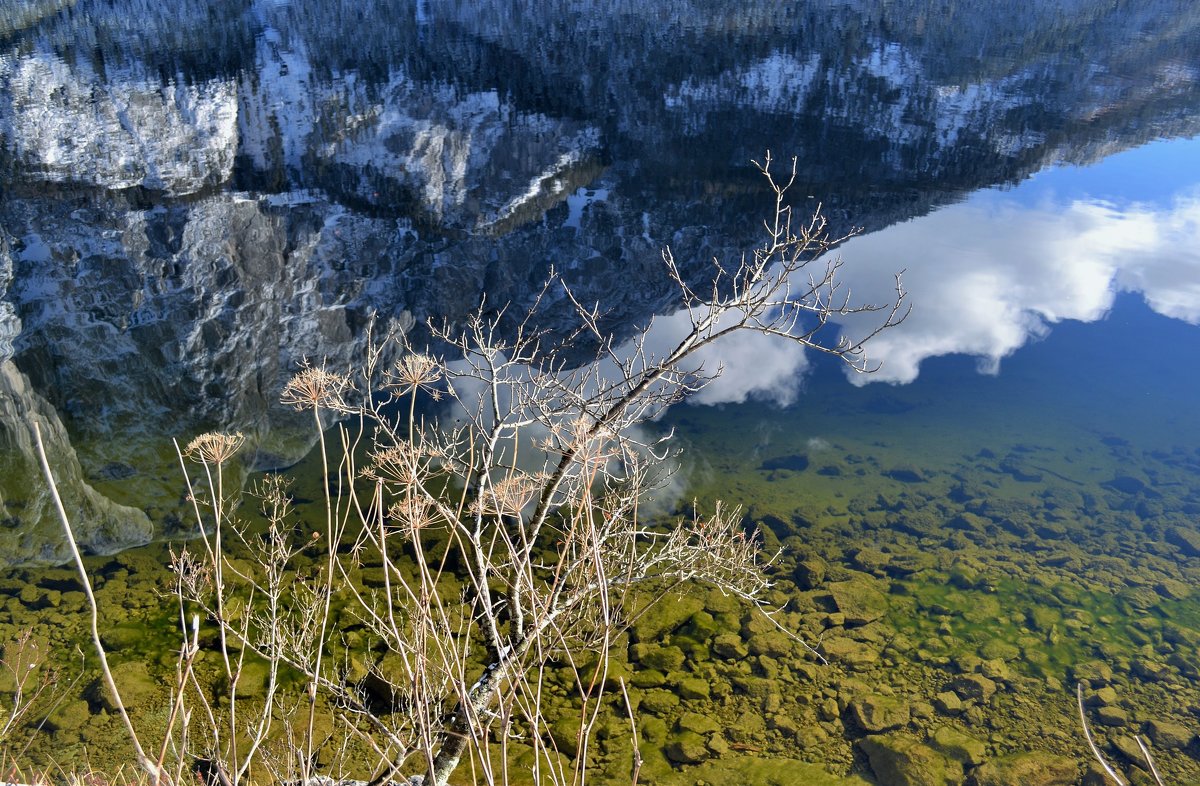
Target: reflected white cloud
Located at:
point(752, 365)
point(985, 277)
point(989, 275)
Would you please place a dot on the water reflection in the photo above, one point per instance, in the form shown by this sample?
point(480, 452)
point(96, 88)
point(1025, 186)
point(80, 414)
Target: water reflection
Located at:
point(994, 272)
point(198, 195)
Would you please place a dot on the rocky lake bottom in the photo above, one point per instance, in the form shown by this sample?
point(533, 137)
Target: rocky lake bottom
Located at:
point(962, 563)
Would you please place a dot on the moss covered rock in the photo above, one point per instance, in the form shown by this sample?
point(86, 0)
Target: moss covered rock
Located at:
point(746, 770)
point(687, 748)
point(650, 656)
point(665, 616)
point(879, 713)
point(860, 600)
point(899, 759)
point(1028, 769)
point(958, 745)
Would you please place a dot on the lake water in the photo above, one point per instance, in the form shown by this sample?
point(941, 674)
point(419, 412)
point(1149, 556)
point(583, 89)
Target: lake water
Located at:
point(199, 195)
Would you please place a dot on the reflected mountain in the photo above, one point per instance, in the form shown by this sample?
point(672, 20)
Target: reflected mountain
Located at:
point(199, 195)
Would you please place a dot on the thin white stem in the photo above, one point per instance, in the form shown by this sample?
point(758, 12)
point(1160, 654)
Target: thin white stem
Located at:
point(143, 760)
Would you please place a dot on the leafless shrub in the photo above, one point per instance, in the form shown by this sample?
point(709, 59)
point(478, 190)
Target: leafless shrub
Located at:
point(504, 536)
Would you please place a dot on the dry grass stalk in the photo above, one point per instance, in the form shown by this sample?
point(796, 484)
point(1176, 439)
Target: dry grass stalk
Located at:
point(502, 538)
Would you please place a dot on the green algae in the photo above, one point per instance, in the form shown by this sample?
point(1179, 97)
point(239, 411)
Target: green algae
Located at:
point(1001, 564)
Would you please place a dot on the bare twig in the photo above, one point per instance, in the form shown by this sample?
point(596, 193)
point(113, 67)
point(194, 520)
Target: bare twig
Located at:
point(144, 761)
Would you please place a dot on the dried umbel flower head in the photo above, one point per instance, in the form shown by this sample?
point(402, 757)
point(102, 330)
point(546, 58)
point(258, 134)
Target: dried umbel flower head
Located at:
point(507, 497)
point(214, 447)
point(194, 575)
point(413, 511)
point(416, 370)
point(403, 464)
point(314, 388)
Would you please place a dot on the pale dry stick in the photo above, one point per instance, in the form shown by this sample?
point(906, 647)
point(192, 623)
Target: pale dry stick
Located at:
point(633, 736)
point(327, 597)
point(143, 760)
point(1149, 760)
point(216, 558)
point(316, 388)
point(274, 561)
point(183, 667)
point(214, 449)
point(183, 671)
point(1087, 733)
point(600, 670)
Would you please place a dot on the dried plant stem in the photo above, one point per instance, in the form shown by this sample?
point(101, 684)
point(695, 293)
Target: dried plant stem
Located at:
point(1087, 734)
point(144, 761)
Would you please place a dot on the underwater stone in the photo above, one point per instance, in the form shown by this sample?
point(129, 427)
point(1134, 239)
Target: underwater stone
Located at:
point(1126, 484)
point(859, 600)
point(664, 617)
point(648, 678)
point(809, 573)
point(973, 687)
point(729, 646)
point(659, 702)
point(137, 687)
point(1103, 697)
point(666, 659)
point(773, 644)
point(997, 649)
point(1127, 746)
point(1020, 471)
point(870, 560)
point(1187, 540)
point(948, 703)
point(1165, 734)
point(700, 627)
point(996, 669)
point(1096, 672)
point(794, 463)
point(968, 522)
point(697, 723)
point(899, 759)
point(1028, 769)
point(958, 745)
point(906, 474)
point(565, 731)
point(1149, 670)
point(693, 689)
point(69, 717)
point(879, 713)
point(1172, 589)
point(855, 654)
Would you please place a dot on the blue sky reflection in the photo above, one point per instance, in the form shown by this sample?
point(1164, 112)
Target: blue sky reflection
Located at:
point(990, 274)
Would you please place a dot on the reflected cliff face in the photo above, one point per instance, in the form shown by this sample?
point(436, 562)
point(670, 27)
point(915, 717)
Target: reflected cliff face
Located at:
point(198, 195)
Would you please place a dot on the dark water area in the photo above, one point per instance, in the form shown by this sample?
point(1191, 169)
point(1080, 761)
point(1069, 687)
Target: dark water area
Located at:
point(197, 196)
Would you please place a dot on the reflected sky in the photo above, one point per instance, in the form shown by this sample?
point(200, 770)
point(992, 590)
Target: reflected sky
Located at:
point(990, 274)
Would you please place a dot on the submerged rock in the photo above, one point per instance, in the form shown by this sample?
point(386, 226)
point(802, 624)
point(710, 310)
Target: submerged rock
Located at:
point(859, 600)
point(1166, 734)
point(1027, 769)
point(879, 713)
point(899, 759)
point(958, 745)
point(1187, 540)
